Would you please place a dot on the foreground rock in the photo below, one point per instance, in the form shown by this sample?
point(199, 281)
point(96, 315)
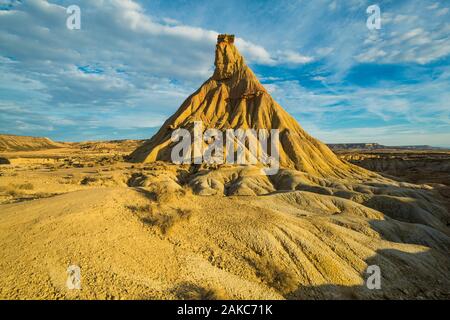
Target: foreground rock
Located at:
point(146, 232)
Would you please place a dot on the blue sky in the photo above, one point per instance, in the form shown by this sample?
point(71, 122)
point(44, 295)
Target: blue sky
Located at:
point(134, 62)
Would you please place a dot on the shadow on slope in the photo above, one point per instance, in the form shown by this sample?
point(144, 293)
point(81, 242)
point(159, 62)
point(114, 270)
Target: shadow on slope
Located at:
point(410, 280)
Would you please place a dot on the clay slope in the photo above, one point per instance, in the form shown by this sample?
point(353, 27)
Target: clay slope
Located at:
point(286, 245)
point(24, 143)
point(233, 98)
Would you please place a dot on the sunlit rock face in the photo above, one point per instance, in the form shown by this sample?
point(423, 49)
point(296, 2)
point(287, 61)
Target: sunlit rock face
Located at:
point(233, 98)
point(228, 60)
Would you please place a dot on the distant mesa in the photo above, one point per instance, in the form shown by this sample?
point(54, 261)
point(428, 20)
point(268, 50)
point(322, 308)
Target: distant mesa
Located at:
point(354, 145)
point(24, 143)
point(377, 146)
point(233, 98)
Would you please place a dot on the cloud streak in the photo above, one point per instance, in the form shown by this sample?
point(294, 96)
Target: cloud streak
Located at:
point(133, 63)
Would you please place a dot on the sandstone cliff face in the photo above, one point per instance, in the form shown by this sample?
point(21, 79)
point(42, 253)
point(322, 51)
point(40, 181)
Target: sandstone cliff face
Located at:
point(234, 98)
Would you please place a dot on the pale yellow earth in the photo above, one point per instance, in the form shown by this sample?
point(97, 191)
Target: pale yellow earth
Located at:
point(140, 231)
point(142, 228)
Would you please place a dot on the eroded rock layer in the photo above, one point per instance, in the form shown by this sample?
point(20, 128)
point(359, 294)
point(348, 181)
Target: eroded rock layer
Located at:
point(233, 98)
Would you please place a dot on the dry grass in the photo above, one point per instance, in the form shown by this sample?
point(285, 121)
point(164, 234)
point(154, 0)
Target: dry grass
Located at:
point(139, 209)
point(16, 190)
point(276, 277)
point(99, 180)
point(164, 194)
point(24, 186)
point(18, 193)
point(88, 180)
point(190, 291)
point(166, 221)
point(160, 216)
point(10, 190)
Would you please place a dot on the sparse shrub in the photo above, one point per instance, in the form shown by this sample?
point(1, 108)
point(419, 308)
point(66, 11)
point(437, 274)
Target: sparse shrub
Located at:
point(275, 277)
point(137, 179)
point(10, 190)
point(139, 208)
point(17, 193)
point(165, 221)
point(164, 194)
point(99, 180)
point(88, 180)
point(15, 190)
point(191, 291)
point(24, 186)
point(50, 166)
point(41, 195)
point(68, 179)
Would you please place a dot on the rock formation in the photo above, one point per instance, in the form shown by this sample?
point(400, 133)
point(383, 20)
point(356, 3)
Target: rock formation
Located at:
point(233, 98)
point(9, 142)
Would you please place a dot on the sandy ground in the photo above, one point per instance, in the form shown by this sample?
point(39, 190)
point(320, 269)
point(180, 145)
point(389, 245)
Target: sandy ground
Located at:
point(151, 230)
point(146, 232)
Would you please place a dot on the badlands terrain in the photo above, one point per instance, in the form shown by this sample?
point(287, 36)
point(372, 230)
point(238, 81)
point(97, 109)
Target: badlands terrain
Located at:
point(141, 231)
point(428, 166)
point(141, 227)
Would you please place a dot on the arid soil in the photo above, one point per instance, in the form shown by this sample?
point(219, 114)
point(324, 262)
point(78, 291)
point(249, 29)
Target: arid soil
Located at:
point(141, 227)
point(158, 231)
point(419, 167)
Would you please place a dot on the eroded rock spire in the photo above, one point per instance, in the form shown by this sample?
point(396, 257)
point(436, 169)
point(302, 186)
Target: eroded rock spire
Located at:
point(233, 98)
point(228, 59)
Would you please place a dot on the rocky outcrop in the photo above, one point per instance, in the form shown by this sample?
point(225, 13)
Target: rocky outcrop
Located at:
point(233, 98)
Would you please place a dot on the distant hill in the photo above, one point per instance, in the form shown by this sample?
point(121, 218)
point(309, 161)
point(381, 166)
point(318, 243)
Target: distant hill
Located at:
point(377, 146)
point(23, 143)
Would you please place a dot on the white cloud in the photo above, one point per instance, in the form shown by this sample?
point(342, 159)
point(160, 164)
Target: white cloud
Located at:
point(121, 58)
point(433, 6)
point(333, 5)
point(147, 65)
point(410, 36)
point(371, 55)
point(324, 51)
point(171, 21)
point(254, 52)
point(260, 55)
point(423, 109)
point(393, 135)
point(292, 57)
point(442, 12)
